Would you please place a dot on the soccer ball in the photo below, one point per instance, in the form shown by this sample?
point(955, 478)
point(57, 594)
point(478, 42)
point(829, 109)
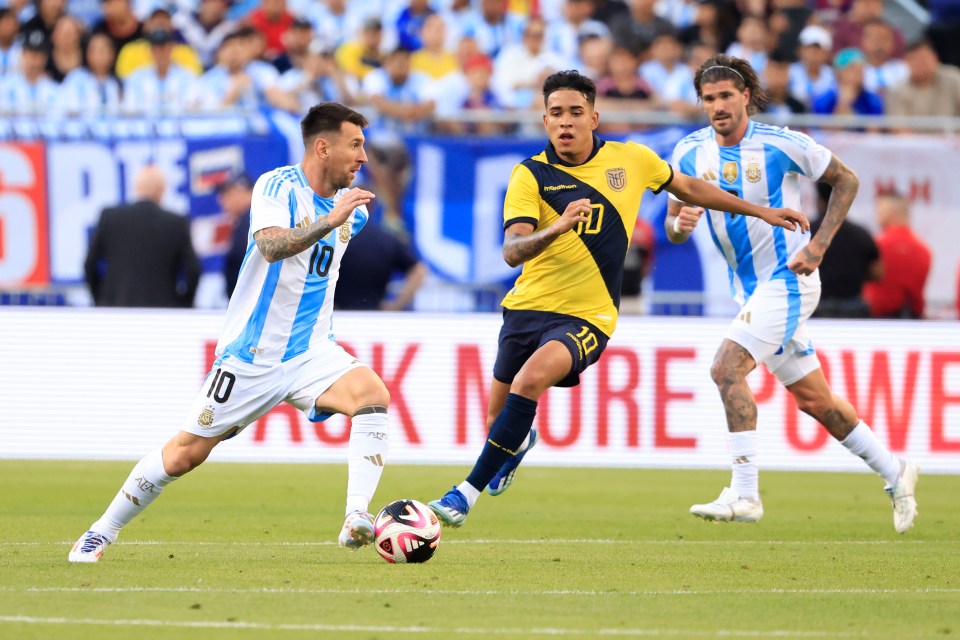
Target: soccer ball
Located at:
point(406, 531)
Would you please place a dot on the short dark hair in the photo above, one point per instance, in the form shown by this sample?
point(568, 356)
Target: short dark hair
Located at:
point(328, 116)
point(737, 70)
point(570, 79)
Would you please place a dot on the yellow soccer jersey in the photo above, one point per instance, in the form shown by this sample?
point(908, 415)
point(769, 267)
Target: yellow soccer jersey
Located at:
point(579, 274)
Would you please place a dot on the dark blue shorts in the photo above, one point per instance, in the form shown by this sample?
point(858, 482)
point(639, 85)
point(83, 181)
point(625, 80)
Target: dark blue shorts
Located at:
point(523, 332)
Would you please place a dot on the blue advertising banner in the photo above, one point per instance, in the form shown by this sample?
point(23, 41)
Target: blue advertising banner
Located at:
point(87, 176)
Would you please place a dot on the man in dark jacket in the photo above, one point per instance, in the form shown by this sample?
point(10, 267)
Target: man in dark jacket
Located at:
point(141, 255)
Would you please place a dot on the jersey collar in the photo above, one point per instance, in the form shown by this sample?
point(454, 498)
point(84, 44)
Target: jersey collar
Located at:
point(553, 158)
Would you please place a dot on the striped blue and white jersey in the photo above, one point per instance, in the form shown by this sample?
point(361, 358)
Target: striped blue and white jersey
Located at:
point(763, 169)
point(279, 310)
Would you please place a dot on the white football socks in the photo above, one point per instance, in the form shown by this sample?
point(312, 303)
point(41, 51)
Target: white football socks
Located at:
point(470, 492)
point(366, 455)
point(862, 442)
point(142, 487)
point(746, 474)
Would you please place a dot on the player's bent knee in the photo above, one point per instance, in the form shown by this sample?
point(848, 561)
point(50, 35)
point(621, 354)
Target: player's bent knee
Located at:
point(185, 452)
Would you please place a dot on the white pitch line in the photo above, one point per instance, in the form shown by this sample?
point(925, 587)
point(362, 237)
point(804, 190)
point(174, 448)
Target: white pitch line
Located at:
point(737, 633)
point(483, 592)
point(598, 541)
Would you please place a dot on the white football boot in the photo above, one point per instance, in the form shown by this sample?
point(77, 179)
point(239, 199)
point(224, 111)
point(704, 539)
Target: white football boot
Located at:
point(729, 507)
point(357, 530)
point(902, 495)
point(89, 547)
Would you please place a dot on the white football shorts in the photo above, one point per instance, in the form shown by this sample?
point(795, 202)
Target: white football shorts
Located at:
point(236, 393)
point(772, 326)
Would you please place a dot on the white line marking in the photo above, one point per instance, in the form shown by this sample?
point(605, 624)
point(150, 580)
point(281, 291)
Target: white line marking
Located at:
point(446, 541)
point(483, 592)
point(746, 633)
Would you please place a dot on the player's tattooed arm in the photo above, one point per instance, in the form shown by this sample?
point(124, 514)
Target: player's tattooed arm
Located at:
point(845, 186)
point(277, 244)
point(519, 247)
point(521, 243)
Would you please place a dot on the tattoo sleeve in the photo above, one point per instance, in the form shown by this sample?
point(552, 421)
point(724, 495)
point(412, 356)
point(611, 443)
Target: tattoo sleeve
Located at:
point(276, 243)
point(518, 248)
point(845, 185)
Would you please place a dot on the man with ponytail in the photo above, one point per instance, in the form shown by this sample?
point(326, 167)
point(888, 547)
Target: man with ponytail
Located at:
point(773, 273)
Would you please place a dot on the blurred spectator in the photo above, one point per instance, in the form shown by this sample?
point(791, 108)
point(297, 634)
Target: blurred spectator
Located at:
point(698, 53)
point(492, 26)
point(9, 43)
point(139, 53)
point(44, 20)
point(520, 69)
point(752, 43)
point(671, 79)
point(714, 24)
point(433, 58)
point(30, 91)
point(850, 97)
point(66, 52)
point(636, 267)
point(776, 80)
point(848, 31)
point(296, 41)
point(335, 21)
point(271, 19)
point(594, 55)
point(622, 89)
point(163, 87)
point(906, 263)
point(409, 22)
point(263, 74)
point(852, 260)
point(374, 258)
point(359, 57)
point(227, 85)
point(812, 76)
point(680, 13)
point(944, 29)
point(93, 90)
point(563, 36)
point(933, 89)
point(637, 31)
point(469, 91)
point(141, 255)
point(317, 80)
point(118, 23)
point(787, 20)
point(400, 96)
point(610, 12)
point(205, 28)
point(958, 292)
point(234, 195)
point(881, 70)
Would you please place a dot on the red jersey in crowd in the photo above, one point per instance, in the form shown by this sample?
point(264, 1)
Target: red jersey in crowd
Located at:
point(906, 265)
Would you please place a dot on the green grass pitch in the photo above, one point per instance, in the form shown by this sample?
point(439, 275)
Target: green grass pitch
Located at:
point(245, 551)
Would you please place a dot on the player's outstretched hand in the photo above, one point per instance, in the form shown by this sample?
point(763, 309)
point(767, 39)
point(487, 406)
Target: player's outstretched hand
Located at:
point(350, 200)
point(786, 218)
point(576, 212)
point(806, 261)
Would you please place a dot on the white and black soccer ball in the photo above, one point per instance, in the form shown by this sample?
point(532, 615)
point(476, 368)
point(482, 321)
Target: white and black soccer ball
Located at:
point(406, 531)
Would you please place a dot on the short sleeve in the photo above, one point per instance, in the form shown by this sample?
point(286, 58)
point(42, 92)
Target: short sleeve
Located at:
point(809, 157)
point(656, 171)
point(522, 202)
point(271, 204)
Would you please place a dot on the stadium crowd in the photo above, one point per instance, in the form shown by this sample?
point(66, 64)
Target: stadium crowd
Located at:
point(421, 62)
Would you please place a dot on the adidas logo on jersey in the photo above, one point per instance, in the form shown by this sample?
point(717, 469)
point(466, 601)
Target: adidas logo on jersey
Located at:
point(377, 460)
